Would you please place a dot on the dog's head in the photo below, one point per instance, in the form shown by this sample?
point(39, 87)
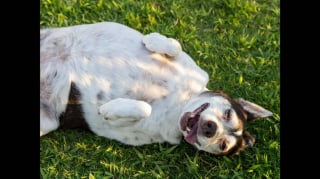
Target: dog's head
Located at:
point(214, 123)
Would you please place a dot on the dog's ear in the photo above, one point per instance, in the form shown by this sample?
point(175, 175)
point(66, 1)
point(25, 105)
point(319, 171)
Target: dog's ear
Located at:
point(253, 110)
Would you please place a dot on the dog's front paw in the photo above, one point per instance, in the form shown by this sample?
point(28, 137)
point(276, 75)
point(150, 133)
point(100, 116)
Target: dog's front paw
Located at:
point(158, 43)
point(129, 109)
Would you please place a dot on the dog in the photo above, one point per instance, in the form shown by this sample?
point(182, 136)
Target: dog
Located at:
point(137, 89)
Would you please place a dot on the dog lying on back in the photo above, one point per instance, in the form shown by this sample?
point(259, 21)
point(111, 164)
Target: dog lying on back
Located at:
point(137, 89)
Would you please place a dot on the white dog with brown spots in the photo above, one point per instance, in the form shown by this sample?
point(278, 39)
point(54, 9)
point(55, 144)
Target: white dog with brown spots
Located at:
point(137, 89)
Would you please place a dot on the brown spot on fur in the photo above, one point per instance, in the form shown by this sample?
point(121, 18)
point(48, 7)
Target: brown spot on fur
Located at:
point(73, 116)
point(164, 62)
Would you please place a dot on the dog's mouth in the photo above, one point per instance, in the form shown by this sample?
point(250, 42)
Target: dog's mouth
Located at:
point(189, 122)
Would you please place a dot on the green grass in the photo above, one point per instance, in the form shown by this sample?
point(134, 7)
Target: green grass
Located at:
point(236, 41)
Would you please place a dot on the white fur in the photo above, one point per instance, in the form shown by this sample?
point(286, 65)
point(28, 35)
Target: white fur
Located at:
point(142, 93)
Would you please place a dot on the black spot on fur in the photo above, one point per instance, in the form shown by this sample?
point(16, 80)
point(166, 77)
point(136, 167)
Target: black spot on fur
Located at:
point(55, 74)
point(100, 96)
point(44, 106)
point(136, 138)
point(129, 93)
point(73, 116)
point(151, 102)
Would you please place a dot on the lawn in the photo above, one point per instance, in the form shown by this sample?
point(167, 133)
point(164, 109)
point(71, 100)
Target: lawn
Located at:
point(236, 41)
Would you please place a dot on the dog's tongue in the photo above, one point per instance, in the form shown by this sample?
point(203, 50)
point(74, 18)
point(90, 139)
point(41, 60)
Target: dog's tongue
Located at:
point(191, 138)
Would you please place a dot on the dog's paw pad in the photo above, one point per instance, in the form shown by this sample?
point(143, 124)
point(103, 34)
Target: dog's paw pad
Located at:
point(158, 43)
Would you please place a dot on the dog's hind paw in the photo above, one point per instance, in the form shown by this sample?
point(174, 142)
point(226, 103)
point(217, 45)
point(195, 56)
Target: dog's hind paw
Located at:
point(158, 43)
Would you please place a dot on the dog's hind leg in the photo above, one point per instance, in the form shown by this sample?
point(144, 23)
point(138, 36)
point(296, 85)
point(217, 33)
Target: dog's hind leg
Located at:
point(48, 121)
point(53, 100)
point(158, 43)
point(124, 112)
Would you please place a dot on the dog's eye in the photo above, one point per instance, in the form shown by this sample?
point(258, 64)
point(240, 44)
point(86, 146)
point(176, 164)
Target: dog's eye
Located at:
point(223, 145)
point(227, 115)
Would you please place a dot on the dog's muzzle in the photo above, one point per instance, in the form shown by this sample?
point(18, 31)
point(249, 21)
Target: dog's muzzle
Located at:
point(190, 122)
point(209, 128)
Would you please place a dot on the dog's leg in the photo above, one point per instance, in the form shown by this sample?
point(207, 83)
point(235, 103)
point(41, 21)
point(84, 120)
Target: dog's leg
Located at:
point(124, 112)
point(48, 121)
point(158, 43)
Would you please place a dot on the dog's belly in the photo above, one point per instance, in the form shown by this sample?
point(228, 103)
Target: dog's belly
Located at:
point(108, 61)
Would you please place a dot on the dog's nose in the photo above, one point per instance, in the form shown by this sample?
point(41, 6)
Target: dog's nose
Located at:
point(209, 128)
